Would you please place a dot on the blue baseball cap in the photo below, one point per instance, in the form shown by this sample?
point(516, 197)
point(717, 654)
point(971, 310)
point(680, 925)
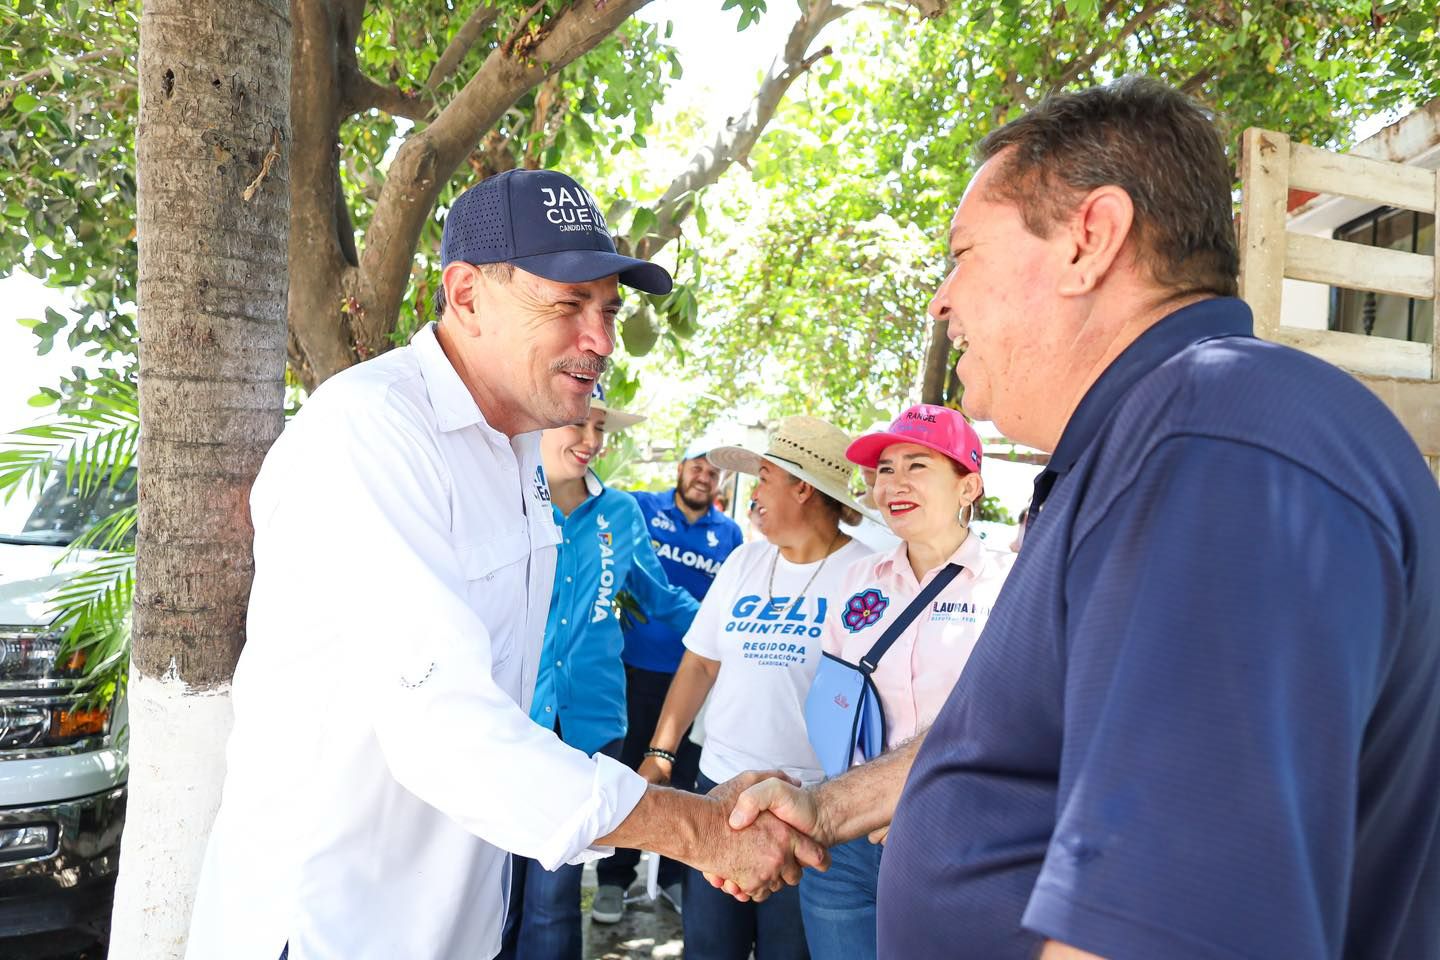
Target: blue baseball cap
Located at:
point(544, 223)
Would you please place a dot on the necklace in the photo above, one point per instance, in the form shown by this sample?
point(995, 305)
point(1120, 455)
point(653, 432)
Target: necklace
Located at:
point(770, 589)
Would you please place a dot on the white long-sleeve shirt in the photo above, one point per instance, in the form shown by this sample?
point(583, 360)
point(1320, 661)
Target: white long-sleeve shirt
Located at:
point(382, 760)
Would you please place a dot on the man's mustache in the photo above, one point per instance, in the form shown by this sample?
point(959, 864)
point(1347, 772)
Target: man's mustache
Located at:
point(590, 366)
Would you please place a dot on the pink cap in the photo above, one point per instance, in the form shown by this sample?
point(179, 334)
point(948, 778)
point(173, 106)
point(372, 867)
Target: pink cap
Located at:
point(939, 428)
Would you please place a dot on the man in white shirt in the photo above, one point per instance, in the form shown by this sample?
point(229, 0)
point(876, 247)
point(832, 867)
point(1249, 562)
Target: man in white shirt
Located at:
point(382, 759)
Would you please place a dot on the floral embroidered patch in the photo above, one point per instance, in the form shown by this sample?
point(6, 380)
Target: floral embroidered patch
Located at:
point(864, 609)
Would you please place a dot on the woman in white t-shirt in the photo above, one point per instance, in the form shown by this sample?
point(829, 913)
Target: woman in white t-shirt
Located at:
point(753, 649)
point(927, 481)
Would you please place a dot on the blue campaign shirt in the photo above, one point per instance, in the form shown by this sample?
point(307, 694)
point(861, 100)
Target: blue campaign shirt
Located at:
point(604, 548)
point(691, 555)
point(1204, 718)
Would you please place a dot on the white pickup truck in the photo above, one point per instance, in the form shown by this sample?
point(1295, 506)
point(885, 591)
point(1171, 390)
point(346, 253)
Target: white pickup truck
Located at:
point(62, 759)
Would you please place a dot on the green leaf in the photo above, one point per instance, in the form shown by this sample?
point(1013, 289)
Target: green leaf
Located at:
point(25, 103)
point(642, 223)
point(41, 400)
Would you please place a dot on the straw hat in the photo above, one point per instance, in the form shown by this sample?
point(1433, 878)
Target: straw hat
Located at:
point(615, 418)
point(804, 447)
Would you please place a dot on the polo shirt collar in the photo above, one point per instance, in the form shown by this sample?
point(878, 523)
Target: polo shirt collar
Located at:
point(454, 407)
point(971, 555)
point(1205, 320)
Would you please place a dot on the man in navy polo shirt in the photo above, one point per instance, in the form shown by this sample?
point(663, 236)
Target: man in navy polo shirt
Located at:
point(692, 539)
point(1204, 718)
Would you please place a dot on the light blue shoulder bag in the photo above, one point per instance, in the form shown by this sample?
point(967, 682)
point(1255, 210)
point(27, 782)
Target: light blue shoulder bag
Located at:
point(843, 712)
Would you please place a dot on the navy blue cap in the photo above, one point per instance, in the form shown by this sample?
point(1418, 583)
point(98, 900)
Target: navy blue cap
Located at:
point(544, 223)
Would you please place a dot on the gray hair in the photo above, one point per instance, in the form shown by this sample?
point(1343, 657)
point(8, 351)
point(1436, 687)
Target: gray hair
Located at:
point(496, 272)
point(1154, 143)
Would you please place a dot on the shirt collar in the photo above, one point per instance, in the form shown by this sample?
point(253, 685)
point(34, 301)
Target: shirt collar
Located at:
point(1205, 320)
point(593, 486)
point(454, 407)
point(971, 555)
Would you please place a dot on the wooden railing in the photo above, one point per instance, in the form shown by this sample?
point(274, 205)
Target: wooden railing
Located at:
point(1405, 375)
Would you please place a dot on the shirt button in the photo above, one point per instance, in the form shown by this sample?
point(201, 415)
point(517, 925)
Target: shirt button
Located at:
point(547, 709)
point(559, 663)
point(569, 579)
point(564, 622)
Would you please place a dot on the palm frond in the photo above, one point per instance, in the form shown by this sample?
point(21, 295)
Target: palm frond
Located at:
point(110, 534)
point(93, 608)
point(95, 440)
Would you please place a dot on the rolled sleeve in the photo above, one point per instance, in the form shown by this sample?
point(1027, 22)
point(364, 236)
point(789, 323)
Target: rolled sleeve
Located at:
point(1216, 695)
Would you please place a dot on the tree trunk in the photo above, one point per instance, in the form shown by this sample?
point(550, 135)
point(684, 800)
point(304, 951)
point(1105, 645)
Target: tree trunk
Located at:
point(937, 364)
point(212, 229)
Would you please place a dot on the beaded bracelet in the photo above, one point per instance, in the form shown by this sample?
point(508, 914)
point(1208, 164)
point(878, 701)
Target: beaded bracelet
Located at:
point(660, 754)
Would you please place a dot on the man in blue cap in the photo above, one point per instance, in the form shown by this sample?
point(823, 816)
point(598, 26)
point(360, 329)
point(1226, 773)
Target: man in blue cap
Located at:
point(692, 539)
point(404, 555)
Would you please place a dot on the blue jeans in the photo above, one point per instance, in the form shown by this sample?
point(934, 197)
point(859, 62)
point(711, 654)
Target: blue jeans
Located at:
point(839, 905)
point(542, 921)
point(719, 927)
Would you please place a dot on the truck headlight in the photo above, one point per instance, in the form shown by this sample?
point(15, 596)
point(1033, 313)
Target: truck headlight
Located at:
point(41, 694)
point(23, 726)
point(36, 657)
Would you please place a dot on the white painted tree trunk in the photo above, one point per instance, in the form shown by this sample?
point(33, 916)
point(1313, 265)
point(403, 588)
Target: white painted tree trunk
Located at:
point(212, 227)
point(176, 770)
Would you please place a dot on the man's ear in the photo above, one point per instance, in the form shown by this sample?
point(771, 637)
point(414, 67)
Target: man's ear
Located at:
point(1098, 231)
point(462, 287)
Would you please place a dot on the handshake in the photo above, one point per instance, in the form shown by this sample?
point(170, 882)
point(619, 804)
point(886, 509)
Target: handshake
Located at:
point(752, 834)
point(763, 830)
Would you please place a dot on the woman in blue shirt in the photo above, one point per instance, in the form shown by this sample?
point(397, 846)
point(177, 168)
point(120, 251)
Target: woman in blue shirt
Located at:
point(580, 687)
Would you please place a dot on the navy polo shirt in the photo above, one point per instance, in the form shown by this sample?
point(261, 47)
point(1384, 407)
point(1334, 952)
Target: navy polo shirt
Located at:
point(691, 555)
point(1204, 718)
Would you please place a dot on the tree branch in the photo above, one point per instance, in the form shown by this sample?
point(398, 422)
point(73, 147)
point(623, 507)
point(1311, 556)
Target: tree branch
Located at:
point(937, 363)
point(427, 159)
point(734, 143)
point(929, 9)
point(321, 29)
point(361, 93)
point(88, 57)
point(1198, 79)
point(492, 156)
point(543, 128)
point(1093, 55)
point(1012, 86)
point(509, 45)
point(461, 44)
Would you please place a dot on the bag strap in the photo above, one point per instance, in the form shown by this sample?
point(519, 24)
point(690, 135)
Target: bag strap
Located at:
point(871, 660)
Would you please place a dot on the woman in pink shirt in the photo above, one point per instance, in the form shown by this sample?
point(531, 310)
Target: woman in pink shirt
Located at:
point(927, 481)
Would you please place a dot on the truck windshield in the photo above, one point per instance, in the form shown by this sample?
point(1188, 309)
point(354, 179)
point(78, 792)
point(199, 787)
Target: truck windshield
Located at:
point(62, 512)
